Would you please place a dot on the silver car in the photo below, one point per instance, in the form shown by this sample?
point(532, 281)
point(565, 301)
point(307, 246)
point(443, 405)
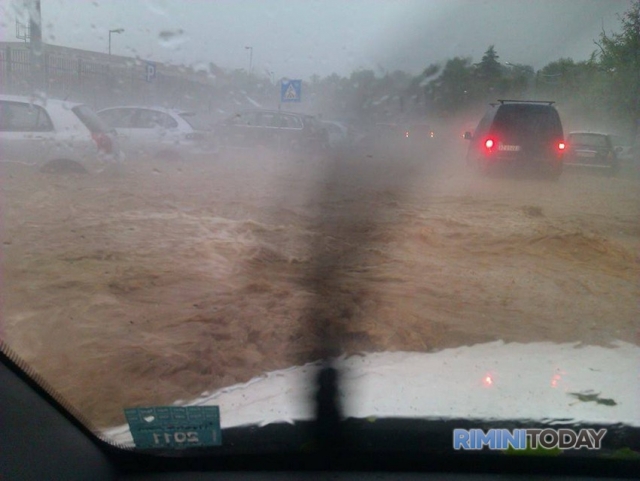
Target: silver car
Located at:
point(157, 132)
point(55, 135)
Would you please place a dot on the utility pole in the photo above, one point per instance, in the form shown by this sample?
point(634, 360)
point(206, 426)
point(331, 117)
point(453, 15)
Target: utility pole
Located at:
point(636, 126)
point(36, 53)
point(115, 30)
point(250, 57)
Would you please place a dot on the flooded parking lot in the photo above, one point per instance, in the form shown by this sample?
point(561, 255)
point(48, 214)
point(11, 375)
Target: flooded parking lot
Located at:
point(171, 279)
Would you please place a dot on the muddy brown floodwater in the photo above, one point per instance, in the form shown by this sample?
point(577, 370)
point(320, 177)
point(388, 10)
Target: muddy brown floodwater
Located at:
point(173, 279)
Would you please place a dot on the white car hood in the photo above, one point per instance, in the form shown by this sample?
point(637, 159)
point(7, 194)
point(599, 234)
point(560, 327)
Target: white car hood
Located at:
point(485, 381)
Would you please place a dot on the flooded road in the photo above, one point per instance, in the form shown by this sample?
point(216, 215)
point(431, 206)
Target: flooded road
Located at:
point(172, 279)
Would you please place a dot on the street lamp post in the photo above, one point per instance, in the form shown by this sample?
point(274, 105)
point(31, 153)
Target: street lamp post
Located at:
point(36, 56)
point(250, 49)
point(115, 30)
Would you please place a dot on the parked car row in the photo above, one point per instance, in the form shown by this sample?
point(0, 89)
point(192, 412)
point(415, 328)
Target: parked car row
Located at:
point(54, 133)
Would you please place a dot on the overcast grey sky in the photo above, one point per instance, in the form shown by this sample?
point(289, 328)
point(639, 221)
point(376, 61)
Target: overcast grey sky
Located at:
point(296, 38)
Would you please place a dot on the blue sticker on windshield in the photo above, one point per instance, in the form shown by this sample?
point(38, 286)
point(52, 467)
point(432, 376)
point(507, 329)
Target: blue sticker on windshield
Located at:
point(174, 427)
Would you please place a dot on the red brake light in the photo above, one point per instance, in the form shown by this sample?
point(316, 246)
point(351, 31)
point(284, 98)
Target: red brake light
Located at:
point(561, 146)
point(489, 143)
point(103, 142)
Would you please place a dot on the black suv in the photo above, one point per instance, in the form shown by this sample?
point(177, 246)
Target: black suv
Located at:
point(273, 129)
point(518, 133)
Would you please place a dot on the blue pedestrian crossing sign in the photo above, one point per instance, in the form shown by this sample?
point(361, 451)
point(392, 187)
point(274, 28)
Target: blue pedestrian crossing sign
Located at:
point(290, 90)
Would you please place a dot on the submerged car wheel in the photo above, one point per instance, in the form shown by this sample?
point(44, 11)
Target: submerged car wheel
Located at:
point(63, 166)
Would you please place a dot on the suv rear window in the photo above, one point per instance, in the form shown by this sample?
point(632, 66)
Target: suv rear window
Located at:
point(90, 119)
point(514, 120)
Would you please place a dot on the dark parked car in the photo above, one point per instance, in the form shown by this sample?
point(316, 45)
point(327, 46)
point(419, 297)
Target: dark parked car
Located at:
point(518, 133)
point(272, 129)
point(592, 149)
point(399, 138)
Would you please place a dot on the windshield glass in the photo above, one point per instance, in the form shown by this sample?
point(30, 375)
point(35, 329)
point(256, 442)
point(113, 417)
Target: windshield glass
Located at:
point(527, 121)
point(341, 202)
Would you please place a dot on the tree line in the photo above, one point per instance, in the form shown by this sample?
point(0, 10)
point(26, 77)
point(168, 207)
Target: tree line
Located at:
point(606, 86)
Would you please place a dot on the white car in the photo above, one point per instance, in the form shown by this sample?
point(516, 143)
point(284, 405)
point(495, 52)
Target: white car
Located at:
point(157, 132)
point(55, 135)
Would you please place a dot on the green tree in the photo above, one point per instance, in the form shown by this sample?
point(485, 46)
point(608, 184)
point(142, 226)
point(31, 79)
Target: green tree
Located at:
point(453, 89)
point(418, 90)
point(489, 68)
point(619, 57)
point(489, 73)
point(332, 92)
point(519, 78)
point(362, 84)
point(580, 87)
point(430, 71)
point(558, 78)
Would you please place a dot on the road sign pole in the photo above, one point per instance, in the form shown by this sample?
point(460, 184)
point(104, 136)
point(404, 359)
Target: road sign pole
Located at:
point(36, 53)
point(290, 91)
point(279, 151)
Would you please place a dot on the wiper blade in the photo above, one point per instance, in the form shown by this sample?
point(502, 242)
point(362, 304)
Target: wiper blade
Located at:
point(348, 220)
point(328, 422)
